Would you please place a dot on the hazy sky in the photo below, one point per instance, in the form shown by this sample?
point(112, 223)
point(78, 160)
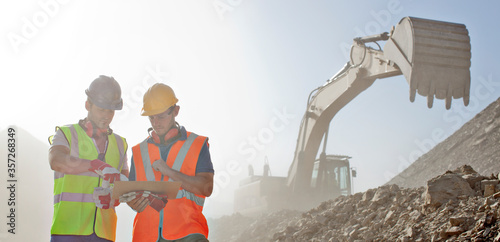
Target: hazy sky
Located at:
point(239, 69)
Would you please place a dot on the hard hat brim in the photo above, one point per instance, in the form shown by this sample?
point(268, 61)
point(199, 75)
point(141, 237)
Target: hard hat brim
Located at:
point(105, 105)
point(152, 112)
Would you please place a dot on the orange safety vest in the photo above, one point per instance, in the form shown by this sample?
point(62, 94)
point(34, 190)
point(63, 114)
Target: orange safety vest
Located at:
point(181, 216)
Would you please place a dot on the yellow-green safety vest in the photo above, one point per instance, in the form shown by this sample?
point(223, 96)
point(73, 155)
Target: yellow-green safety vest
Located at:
point(75, 212)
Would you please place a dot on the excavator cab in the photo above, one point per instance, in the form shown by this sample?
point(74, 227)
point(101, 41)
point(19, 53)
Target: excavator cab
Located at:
point(331, 177)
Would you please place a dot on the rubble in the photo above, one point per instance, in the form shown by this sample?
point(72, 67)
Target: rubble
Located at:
point(425, 202)
point(452, 207)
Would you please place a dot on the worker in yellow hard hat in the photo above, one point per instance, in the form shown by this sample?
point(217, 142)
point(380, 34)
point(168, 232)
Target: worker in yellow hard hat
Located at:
point(170, 153)
point(86, 157)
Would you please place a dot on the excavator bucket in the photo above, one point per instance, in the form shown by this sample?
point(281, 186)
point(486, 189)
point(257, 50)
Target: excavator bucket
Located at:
point(434, 57)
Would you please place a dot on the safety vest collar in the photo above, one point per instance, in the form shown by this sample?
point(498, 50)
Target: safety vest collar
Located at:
point(182, 137)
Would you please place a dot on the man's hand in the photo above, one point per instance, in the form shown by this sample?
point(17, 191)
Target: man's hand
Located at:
point(102, 198)
point(160, 165)
point(158, 201)
point(108, 173)
point(139, 200)
point(129, 196)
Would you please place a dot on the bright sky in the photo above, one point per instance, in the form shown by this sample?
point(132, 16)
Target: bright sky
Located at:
point(236, 66)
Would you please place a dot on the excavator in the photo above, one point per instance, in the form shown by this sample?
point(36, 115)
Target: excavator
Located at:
point(433, 56)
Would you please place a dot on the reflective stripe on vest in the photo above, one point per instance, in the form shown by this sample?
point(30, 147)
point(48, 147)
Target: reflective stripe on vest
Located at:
point(75, 212)
point(181, 216)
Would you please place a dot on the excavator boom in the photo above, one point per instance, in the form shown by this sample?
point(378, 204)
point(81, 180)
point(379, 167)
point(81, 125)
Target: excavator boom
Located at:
point(433, 56)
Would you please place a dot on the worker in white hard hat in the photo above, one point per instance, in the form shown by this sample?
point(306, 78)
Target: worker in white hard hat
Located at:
point(86, 157)
point(170, 153)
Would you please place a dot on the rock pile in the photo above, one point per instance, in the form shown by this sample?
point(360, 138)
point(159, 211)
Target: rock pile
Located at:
point(422, 203)
point(459, 205)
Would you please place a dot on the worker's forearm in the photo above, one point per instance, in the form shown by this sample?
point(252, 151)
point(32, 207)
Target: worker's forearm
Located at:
point(72, 165)
point(63, 162)
point(199, 184)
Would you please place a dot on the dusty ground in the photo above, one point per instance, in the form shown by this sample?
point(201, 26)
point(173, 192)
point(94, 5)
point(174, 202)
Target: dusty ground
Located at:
point(449, 194)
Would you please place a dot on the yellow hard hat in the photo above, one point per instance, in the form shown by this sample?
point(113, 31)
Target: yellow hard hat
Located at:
point(157, 99)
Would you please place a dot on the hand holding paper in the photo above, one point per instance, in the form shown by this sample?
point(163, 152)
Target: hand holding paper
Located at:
point(156, 201)
point(102, 194)
point(102, 198)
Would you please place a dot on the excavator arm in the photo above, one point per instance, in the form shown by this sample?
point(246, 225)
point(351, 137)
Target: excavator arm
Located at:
point(433, 56)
